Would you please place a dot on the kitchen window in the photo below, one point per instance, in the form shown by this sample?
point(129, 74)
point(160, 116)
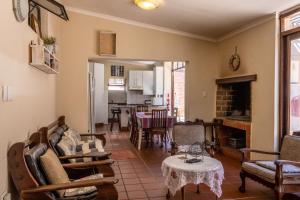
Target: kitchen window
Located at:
point(116, 84)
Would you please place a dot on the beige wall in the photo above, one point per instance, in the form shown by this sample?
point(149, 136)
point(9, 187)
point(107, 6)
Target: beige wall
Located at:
point(79, 43)
point(257, 49)
point(33, 104)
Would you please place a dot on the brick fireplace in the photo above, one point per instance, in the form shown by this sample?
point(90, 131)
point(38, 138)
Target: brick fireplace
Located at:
point(233, 107)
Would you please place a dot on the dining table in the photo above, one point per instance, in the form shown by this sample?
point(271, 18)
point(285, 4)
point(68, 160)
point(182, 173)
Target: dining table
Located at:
point(144, 120)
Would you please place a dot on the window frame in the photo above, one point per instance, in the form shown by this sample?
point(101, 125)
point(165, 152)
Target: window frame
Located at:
point(286, 36)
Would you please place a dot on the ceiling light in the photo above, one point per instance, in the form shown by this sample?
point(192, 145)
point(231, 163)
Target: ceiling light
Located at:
point(148, 4)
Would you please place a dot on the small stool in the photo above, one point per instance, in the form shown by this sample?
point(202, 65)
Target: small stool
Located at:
point(116, 113)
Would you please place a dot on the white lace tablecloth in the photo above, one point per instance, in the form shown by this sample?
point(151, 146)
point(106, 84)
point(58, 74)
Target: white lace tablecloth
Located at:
point(178, 173)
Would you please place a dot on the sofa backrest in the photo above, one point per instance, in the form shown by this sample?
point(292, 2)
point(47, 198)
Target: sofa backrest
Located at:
point(290, 149)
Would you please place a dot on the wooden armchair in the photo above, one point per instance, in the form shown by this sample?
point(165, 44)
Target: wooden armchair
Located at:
point(282, 175)
point(31, 182)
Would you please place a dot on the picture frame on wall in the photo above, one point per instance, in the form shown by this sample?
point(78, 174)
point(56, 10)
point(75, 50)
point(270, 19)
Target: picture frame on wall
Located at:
point(35, 25)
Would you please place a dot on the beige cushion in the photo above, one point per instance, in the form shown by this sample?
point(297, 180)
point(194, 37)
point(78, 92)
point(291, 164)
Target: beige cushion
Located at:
point(290, 148)
point(53, 170)
point(83, 190)
point(269, 175)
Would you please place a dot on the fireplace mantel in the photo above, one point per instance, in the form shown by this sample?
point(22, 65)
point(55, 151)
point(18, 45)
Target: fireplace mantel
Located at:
point(237, 79)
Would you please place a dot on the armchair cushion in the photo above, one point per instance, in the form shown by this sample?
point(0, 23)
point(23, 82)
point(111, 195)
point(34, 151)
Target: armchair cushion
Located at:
point(73, 135)
point(269, 175)
point(32, 158)
point(286, 168)
point(185, 148)
point(67, 148)
point(290, 148)
point(83, 190)
point(54, 170)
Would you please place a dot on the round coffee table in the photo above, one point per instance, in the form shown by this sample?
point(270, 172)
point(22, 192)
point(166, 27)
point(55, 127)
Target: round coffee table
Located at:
point(177, 174)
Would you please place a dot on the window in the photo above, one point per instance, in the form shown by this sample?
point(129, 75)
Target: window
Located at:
point(291, 21)
point(116, 84)
point(290, 73)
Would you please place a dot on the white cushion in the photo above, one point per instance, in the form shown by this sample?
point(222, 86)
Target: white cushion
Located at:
point(83, 190)
point(271, 165)
point(73, 135)
point(67, 147)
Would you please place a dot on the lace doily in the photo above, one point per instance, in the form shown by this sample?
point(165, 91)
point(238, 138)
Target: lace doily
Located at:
point(178, 174)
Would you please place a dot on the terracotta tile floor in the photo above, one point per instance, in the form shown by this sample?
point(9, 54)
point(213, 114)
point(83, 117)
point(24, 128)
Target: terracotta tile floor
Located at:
point(140, 175)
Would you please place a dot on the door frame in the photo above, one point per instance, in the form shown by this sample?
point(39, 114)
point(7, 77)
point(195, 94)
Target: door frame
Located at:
point(284, 102)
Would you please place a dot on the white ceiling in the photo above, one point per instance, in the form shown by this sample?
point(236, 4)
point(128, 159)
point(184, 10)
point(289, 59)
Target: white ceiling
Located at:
point(208, 18)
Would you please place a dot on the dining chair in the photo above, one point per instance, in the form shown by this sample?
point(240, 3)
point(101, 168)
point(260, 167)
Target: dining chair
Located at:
point(134, 127)
point(142, 108)
point(159, 125)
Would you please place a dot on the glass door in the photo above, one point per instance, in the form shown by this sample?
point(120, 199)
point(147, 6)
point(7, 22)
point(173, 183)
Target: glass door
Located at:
point(294, 82)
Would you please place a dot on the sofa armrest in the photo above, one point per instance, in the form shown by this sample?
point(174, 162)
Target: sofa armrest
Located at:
point(87, 164)
point(87, 155)
point(245, 151)
point(75, 184)
point(279, 170)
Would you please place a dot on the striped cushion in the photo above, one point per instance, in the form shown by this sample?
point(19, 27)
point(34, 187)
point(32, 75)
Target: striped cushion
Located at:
point(67, 148)
point(83, 190)
point(73, 135)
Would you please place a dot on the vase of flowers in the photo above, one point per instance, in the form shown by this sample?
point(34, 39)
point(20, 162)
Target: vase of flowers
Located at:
point(50, 44)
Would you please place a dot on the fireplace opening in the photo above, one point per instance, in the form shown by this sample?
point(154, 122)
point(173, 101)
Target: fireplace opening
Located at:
point(234, 101)
point(233, 138)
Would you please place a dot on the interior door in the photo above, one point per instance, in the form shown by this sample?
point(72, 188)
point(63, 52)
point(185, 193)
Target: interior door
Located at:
point(91, 83)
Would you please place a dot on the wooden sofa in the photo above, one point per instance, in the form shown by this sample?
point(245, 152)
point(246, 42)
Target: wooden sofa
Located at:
point(32, 184)
point(53, 133)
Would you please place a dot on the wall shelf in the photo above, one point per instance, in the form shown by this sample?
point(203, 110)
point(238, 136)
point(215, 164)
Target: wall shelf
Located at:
point(42, 59)
point(107, 42)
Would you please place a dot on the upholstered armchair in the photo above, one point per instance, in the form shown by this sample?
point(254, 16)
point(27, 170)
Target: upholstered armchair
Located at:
point(282, 175)
point(187, 133)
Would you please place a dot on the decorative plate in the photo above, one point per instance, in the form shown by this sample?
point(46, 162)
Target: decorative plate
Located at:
point(21, 8)
point(235, 61)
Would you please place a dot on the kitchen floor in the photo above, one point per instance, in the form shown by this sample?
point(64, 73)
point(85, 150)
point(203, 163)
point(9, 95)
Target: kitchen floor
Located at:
point(140, 176)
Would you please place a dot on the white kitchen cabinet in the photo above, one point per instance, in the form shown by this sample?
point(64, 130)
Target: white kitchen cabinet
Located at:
point(159, 80)
point(135, 80)
point(148, 83)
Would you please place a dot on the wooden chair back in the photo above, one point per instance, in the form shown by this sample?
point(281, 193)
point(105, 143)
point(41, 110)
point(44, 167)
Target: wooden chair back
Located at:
point(142, 108)
point(159, 118)
point(20, 173)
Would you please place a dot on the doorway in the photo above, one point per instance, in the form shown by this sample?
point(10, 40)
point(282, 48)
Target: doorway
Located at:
point(97, 96)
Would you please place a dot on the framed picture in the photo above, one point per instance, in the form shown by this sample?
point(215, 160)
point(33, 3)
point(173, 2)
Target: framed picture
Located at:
point(35, 25)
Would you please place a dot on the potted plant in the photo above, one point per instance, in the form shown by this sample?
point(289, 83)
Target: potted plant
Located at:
point(49, 43)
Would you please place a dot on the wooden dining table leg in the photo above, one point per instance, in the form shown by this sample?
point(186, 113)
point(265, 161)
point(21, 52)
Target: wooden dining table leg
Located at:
point(140, 138)
point(182, 193)
point(198, 188)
